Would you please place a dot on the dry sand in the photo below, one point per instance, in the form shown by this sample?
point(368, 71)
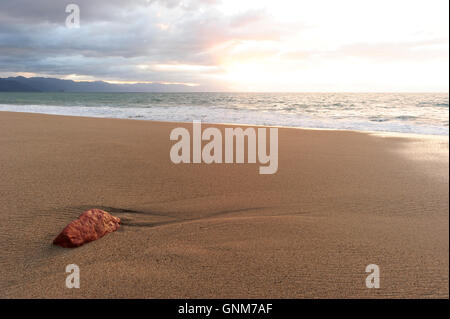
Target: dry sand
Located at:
point(340, 201)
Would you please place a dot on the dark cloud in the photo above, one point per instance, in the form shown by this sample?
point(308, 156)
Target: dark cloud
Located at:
point(51, 11)
point(117, 36)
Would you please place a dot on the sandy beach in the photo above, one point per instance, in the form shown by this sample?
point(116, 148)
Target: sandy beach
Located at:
point(340, 201)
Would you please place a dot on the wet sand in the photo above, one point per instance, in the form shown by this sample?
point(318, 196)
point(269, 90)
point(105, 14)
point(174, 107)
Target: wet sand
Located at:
point(339, 201)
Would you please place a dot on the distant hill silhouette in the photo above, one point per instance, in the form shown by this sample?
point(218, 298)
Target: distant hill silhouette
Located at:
point(39, 84)
point(8, 85)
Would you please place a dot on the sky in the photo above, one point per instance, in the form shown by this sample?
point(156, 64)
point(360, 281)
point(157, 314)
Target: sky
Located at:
point(233, 45)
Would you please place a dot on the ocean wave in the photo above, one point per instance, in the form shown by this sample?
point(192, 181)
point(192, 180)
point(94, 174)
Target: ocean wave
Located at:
point(364, 112)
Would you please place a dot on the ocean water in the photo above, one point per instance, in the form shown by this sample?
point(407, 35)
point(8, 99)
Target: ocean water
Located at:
point(426, 113)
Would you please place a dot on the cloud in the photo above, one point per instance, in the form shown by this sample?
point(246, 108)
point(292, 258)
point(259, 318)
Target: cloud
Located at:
point(34, 38)
point(203, 41)
point(396, 51)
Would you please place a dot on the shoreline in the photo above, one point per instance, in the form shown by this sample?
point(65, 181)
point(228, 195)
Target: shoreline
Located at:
point(341, 200)
point(380, 133)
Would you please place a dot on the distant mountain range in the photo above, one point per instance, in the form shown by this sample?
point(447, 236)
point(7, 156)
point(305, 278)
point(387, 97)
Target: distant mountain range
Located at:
point(39, 84)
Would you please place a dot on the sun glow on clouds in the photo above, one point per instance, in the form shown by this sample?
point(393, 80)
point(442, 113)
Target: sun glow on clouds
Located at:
point(252, 45)
point(150, 82)
point(345, 46)
point(163, 26)
point(327, 46)
point(78, 78)
point(183, 67)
